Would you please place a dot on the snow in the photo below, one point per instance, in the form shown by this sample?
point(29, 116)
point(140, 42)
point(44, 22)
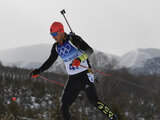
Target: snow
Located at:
point(126, 113)
point(137, 57)
point(8, 102)
point(142, 119)
point(50, 102)
point(33, 99)
point(36, 105)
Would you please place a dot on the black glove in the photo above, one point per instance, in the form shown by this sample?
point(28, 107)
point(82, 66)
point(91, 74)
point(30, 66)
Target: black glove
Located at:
point(34, 73)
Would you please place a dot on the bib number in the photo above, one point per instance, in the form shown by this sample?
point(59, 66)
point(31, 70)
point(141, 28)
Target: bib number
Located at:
point(73, 68)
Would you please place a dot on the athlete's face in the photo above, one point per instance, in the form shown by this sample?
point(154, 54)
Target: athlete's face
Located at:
point(59, 37)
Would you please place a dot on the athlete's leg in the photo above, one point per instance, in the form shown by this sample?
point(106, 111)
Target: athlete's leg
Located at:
point(69, 95)
point(92, 96)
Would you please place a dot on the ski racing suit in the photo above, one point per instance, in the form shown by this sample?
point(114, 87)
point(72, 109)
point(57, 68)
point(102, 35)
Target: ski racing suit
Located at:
point(80, 78)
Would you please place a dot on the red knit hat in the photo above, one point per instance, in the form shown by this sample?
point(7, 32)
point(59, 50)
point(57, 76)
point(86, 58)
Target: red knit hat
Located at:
point(57, 27)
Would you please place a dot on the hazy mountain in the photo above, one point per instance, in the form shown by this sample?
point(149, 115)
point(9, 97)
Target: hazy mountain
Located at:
point(150, 67)
point(34, 56)
point(137, 58)
point(100, 60)
point(36, 53)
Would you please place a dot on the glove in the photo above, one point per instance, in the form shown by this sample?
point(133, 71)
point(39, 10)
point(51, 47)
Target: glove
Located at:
point(76, 62)
point(34, 73)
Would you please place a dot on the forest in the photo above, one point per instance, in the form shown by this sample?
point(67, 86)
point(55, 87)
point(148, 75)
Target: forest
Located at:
point(131, 97)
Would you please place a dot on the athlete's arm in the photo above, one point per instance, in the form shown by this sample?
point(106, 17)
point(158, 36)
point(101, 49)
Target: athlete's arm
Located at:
point(52, 58)
point(82, 46)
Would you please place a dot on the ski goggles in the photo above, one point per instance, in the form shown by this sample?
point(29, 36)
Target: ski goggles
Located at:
point(54, 34)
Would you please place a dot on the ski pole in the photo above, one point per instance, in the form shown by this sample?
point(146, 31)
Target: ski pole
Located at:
point(51, 80)
point(48, 80)
point(97, 71)
point(63, 12)
point(131, 83)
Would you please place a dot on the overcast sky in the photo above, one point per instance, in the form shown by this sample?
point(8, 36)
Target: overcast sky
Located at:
point(111, 26)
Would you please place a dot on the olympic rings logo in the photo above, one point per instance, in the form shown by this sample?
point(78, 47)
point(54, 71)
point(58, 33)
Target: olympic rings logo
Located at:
point(64, 51)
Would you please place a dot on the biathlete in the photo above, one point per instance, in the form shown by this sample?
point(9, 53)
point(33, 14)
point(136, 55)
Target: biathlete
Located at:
point(74, 51)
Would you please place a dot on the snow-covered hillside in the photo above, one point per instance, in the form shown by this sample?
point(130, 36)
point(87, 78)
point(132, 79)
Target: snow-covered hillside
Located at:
point(137, 57)
point(35, 53)
point(150, 67)
point(34, 56)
